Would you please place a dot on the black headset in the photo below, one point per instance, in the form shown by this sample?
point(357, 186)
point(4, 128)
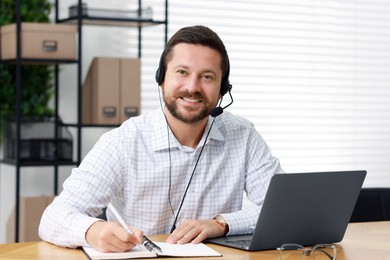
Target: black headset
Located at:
point(225, 84)
point(225, 88)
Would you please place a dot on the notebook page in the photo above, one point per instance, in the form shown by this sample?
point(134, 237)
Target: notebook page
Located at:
point(186, 250)
point(136, 252)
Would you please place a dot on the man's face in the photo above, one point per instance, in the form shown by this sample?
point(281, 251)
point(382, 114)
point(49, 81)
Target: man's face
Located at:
point(192, 82)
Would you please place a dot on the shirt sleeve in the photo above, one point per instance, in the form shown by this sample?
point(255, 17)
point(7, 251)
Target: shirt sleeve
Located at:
point(85, 193)
point(261, 165)
point(66, 230)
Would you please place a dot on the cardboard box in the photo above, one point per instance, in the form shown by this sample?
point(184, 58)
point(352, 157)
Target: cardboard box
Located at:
point(101, 92)
point(31, 209)
point(111, 90)
point(130, 89)
point(39, 41)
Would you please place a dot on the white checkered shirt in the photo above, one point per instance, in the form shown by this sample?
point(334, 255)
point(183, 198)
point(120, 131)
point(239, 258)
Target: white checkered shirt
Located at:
point(130, 167)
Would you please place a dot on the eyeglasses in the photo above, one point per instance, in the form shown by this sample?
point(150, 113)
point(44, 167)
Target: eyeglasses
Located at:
point(317, 252)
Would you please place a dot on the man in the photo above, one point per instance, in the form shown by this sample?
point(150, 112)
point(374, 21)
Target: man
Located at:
point(173, 169)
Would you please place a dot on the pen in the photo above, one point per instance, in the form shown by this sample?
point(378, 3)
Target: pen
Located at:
point(145, 241)
point(151, 246)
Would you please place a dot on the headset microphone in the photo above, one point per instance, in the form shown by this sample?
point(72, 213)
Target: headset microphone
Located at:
point(216, 111)
point(219, 110)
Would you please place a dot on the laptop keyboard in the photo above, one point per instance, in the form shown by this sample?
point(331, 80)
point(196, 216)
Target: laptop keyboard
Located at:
point(244, 242)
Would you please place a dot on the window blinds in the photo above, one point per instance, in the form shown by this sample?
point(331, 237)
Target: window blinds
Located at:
point(312, 75)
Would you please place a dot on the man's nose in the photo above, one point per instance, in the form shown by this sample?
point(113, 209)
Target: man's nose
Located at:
point(193, 84)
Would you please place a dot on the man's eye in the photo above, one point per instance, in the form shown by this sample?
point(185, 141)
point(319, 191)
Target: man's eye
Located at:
point(209, 77)
point(182, 72)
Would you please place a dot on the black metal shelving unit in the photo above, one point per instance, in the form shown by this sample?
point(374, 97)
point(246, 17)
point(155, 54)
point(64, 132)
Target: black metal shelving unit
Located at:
point(81, 20)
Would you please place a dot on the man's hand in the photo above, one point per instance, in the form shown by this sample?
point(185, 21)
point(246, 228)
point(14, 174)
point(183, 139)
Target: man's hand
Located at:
point(112, 237)
point(195, 231)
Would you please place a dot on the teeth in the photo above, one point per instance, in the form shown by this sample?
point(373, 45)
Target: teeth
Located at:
point(191, 100)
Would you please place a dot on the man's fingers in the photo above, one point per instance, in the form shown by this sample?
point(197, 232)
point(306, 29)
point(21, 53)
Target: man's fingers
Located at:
point(199, 238)
point(179, 233)
point(112, 237)
point(194, 231)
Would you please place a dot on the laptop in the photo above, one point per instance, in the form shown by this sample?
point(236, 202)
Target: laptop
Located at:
point(302, 208)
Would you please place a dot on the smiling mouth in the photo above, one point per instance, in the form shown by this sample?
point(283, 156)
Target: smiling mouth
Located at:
point(191, 100)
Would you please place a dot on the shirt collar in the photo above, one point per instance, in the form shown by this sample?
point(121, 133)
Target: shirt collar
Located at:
point(160, 135)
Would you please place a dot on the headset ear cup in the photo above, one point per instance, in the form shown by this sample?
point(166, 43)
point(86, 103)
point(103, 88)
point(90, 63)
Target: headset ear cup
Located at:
point(160, 75)
point(157, 76)
point(225, 83)
point(160, 72)
point(225, 86)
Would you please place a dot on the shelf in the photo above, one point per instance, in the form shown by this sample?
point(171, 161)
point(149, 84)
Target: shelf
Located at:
point(41, 61)
point(136, 21)
point(90, 125)
point(112, 21)
point(38, 163)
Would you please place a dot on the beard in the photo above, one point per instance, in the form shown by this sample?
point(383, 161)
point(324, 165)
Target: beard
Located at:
point(188, 116)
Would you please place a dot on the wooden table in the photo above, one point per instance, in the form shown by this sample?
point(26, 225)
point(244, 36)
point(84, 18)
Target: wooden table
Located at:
point(370, 240)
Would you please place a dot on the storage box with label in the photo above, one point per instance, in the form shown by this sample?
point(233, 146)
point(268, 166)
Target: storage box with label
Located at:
point(39, 41)
point(30, 213)
point(111, 90)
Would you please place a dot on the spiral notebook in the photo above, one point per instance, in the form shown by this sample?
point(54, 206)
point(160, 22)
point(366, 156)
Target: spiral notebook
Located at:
point(171, 250)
